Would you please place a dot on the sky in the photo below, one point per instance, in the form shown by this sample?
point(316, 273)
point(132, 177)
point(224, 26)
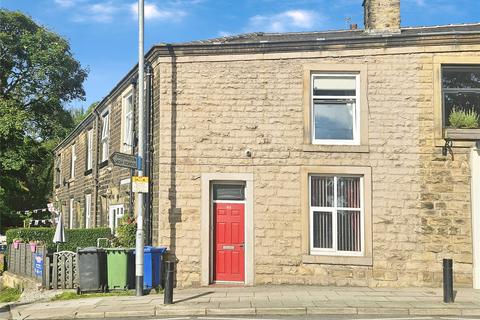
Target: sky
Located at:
point(103, 34)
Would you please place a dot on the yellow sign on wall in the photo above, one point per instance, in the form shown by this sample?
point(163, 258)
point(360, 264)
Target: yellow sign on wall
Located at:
point(140, 184)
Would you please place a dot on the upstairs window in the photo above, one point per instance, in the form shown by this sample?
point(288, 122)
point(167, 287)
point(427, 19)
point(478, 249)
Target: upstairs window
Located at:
point(105, 135)
point(460, 91)
point(335, 108)
point(89, 157)
point(73, 159)
point(127, 123)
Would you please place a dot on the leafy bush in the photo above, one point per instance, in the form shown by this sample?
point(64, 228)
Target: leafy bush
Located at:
point(459, 118)
point(75, 237)
point(126, 233)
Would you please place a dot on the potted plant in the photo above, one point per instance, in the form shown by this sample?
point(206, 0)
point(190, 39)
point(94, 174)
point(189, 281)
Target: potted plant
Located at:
point(33, 245)
point(463, 125)
point(16, 243)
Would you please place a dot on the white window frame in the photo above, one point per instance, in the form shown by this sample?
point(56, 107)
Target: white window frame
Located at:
point(88, 209)
point(105, 135)
point(334, 211)
point(73, 159)
point(356, 115)
point(71, 213)
point(115, 213)
point(89, 163)
point(127, 123)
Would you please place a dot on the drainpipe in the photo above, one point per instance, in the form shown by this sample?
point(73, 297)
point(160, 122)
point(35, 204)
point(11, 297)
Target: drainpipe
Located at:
point(95, 167)
point(475, 199)
point(134, 144)
point(148, 153)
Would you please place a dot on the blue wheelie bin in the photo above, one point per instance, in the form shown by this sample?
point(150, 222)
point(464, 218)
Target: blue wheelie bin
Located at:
point(152, 268)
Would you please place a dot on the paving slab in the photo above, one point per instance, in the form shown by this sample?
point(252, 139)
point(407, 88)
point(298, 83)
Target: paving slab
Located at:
point(89, 315)
point(231, 311)
point(383, 311)
point(262, 300)
point(331, 311)
point(281, 311)
point(130, 313)
point(435, 312)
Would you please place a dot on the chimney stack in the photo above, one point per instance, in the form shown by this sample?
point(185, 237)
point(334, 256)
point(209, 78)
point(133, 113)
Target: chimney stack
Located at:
point(382, 16)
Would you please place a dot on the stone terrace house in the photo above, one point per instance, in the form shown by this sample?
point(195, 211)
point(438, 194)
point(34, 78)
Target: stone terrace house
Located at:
point(303, 158)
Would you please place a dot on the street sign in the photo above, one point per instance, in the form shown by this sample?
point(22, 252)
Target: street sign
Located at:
point(140, 184)
point(123, 160)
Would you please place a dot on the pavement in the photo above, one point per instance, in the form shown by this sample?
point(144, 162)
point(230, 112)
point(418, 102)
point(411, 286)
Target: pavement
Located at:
point(259, 300)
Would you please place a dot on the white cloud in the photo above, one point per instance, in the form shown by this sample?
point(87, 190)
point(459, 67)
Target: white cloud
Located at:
point(103, 11)
point(152, 12)
point(291, 20)
point(97, 12)
point(420, 3)
point(224, 33)
point(65, 3)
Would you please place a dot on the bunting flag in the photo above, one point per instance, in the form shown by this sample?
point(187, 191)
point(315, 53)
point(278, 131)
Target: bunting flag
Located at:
point(29, 212)
point(41, 223)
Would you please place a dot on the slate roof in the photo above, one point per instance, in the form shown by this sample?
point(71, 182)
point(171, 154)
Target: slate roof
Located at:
point(263, 37)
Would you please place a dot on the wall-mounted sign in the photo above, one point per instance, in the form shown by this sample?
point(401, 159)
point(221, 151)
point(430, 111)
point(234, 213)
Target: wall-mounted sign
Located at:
point(123, 160)
point(38, 264)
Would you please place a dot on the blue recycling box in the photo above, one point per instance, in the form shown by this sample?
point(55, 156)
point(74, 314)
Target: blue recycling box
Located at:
point(152, 266)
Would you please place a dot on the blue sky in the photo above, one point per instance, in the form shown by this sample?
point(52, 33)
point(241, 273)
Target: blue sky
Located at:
point(103, 33)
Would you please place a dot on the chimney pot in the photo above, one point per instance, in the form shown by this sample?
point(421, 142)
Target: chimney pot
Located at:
point(353, 26)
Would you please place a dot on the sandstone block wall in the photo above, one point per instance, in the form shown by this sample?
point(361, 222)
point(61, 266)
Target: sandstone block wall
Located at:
point(382, 15)
point(107, 178)
point(211, 110)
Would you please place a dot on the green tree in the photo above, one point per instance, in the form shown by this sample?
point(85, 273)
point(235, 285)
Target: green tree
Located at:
point(78, 114)
point(38, 77)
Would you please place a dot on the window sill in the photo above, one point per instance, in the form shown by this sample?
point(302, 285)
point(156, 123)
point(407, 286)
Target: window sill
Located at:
point(462, 134)
point(336, 148)
point(103, 164)
point(86, 173)
point(125, 148)
point(341, 260)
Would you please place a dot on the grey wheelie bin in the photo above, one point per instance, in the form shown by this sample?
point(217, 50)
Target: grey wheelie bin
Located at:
point(92, 269)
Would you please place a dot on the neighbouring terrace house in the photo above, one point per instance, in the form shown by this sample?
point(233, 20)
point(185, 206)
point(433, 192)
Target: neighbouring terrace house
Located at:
point(300, 158)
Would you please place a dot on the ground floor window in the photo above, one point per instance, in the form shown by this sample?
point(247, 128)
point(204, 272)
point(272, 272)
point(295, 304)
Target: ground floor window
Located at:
point(88, 208)
point(336, 214)
point(71, 211)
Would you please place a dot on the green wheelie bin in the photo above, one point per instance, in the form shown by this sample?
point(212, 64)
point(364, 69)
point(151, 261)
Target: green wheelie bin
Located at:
point(120, 268)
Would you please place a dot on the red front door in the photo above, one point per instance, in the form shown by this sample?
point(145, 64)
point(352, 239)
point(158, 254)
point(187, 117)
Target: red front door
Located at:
point(229, 242)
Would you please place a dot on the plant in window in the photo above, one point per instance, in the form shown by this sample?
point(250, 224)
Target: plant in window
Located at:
point(459, 118)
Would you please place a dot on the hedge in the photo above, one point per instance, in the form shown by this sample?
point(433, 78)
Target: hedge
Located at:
point(75, 237)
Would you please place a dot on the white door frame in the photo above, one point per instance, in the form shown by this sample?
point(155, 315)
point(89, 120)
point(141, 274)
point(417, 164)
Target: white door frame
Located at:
point(475, 180)
point(207, 224)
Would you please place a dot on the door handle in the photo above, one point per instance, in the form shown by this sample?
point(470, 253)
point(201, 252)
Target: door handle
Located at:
point(242, 245)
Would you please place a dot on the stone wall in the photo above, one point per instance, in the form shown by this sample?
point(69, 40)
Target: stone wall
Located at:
point(213, 109)
point(382, 15)
point(107, 184)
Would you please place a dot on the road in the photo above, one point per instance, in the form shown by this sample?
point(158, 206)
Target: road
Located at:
point(310, 317)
